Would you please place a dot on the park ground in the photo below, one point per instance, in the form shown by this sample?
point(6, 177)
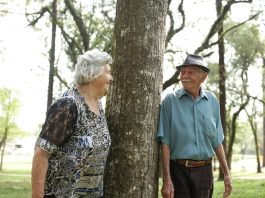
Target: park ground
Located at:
point(15, 176)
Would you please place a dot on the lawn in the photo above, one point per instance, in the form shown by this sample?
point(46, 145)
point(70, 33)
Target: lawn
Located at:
point(243, 188)
point(15, 180)
point(14, 184)
point(15, 176)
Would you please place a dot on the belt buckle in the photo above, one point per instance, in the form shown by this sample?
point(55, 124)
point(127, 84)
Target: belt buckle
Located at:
point(187, 163)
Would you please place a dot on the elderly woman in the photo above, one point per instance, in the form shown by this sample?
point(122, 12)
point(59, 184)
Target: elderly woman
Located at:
point(72, 147)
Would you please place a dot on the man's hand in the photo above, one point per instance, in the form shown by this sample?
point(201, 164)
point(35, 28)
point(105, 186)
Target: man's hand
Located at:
point(167, 190)
point(228, 186)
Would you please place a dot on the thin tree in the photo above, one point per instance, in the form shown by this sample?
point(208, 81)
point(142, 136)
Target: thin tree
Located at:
point(222, 77)
point(246, 43)
point(9, 106)
point(253, 124)
point(263, 91)
point(52, 53)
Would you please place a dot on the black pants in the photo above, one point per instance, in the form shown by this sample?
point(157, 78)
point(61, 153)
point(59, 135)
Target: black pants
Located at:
point(191, 182)
point(53, 196)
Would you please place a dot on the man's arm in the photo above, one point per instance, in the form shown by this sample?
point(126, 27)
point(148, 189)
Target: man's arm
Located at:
point(39, 170)
point(168, 188)
point(227, 178)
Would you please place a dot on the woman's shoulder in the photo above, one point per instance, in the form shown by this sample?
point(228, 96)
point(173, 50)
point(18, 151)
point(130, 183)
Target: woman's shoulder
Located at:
point(65, 102)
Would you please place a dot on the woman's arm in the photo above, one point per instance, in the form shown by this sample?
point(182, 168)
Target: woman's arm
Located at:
point(39, 170)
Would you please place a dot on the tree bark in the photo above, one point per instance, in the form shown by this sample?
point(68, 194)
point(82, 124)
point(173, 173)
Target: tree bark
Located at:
point(132, 105)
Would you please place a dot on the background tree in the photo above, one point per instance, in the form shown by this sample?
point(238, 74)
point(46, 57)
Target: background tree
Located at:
point(254, 127)
point(209, 41)
point(246, 44)
point(81, 26)
point(52, 52)
point(133, 102)
point(263, 91)
point(9, 106)
point(222, 76)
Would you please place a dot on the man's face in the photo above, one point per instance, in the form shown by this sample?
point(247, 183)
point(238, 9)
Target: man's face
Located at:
point(191, 78)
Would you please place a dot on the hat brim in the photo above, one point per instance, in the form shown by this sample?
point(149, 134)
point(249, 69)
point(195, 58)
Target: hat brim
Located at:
point(206, 69)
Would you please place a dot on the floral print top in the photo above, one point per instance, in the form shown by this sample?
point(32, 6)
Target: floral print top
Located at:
point(78, 141)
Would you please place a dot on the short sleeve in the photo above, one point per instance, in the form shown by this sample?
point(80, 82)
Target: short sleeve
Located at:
point(60, 122)
point(219, 128)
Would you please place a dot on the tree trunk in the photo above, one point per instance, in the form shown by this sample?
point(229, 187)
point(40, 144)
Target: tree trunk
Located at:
point(222, 79)
point(3, 141)
point(233, 131)
point(132, 106)
point(254, 128)
point(256, 148)
point(52, 54)
point(263, 90)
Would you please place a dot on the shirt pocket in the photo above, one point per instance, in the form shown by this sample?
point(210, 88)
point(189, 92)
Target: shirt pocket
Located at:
point(209, 125)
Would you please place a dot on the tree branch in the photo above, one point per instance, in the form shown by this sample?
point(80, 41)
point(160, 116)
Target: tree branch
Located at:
point(247, 95)
point(172, 31)
point(40, 15)
point(205, 44)
point(215, 27)
point(233, 27)
point(173, 80)
point(80, 24)
point(72, 44)
point(60, 78)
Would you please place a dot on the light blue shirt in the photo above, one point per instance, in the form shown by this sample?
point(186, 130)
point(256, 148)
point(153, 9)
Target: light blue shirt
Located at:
point(191, 128)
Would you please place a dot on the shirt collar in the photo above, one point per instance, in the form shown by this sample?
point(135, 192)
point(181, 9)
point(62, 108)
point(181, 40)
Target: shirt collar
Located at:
point(183, 92)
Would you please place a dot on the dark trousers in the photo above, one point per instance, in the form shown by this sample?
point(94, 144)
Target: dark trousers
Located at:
point(189, 182)
point(53, 196)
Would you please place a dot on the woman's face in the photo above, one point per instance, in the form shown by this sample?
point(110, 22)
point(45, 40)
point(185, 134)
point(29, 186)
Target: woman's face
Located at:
point(103, 81)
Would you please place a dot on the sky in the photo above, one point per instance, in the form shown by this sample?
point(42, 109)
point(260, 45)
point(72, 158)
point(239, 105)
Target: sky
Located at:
point(22, 66)
point(24, 62)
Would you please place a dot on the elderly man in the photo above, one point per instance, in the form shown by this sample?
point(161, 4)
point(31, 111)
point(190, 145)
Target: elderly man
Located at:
point(191, 133)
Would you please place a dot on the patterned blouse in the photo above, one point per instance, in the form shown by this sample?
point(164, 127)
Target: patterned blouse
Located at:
point(78, 141)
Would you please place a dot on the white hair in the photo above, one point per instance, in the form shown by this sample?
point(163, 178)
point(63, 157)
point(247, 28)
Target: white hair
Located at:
point(90, 65)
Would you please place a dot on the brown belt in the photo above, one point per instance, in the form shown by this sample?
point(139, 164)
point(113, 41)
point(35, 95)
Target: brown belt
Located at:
point(194, 163)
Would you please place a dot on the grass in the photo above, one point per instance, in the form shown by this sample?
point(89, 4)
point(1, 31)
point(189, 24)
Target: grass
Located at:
point(15, 180)
point(15, 176)
point(248, 188)
point(16, 185)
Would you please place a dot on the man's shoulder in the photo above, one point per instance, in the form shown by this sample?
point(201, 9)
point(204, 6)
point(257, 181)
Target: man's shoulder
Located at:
point(211, 97)
point(171, 95)
point(209, 93)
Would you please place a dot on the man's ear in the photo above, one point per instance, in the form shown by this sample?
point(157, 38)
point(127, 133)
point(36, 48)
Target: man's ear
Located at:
point(204, 76)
